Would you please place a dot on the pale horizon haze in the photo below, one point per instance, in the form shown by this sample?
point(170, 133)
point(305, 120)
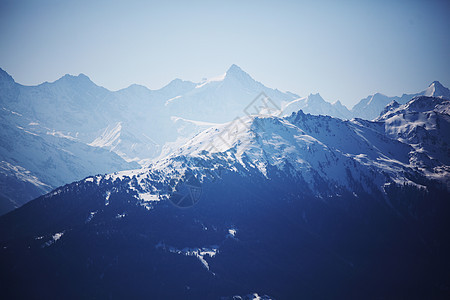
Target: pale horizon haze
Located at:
point(345, 50)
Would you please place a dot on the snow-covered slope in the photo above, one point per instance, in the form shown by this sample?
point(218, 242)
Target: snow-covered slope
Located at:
point(17, 186)
point(436, 89)
point(35, 159)
point(423, 123)
point(370, 108)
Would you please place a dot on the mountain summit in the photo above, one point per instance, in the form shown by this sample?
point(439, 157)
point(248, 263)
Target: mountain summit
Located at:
point(235, 70)
point(436, 89)
point(237, 74)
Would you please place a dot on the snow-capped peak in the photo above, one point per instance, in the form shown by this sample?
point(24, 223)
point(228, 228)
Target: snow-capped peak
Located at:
point(237, 73)
point(234, 69)
point(436, 89)
point(234, 73)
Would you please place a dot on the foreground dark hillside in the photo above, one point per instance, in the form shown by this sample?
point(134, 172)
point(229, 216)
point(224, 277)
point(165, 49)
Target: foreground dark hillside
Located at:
point(287, 244)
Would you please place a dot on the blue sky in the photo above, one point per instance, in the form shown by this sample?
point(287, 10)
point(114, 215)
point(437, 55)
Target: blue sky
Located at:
point(345, 50)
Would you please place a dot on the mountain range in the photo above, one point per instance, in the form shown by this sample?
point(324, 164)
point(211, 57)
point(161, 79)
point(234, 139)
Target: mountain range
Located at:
point(369, 108)
point(56, 133)
point(282, 207)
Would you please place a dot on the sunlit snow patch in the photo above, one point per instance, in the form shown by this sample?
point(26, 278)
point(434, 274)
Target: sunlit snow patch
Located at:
point(120, 216)
point(90, 217)
point(172, 99)
point(108, 194)
point(253, 296)
point(232, 233)
point(200, 253)
point(214, 79)
point(55, 237)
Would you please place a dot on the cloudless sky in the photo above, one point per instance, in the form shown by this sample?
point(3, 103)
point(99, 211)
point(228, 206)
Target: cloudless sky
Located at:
point(345, 50)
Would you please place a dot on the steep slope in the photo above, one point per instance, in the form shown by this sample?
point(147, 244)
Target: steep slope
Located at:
point(35, 159)
point(121, 139)
point(436, 89)
point(297, 207)
point(424, 123)
point(18, 186)
point(369, 108)
point(73, 105)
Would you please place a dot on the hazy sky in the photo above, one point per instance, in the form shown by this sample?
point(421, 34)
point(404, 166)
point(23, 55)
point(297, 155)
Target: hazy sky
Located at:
point(343, 49)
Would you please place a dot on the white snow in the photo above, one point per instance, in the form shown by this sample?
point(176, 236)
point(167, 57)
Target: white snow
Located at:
point(199, 123)
point(147, 197)
point(171, 99)
point(57, 236)
point(108, 194)
point(213, 79)
point(91, 216)
point(61, 135)
point(53, 240)
point(232, 232)
point(199, 253)
point(120, 216)
point(108, 137)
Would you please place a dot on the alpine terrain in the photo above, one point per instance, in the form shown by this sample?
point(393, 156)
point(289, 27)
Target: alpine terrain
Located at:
point(278, 206)
point(59, 132)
